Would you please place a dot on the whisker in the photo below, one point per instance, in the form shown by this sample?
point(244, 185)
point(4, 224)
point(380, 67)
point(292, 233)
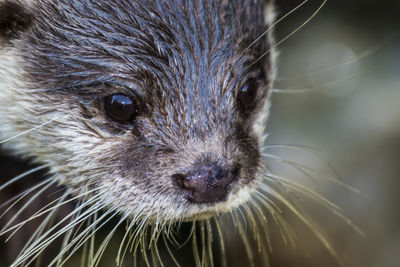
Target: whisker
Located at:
point(240, 212)
point(46, 183)
point(313, 89)
point(128, 231)
point(132, 242)
point(34, 252)
point(141, 228)
point(120, 259)
point(274, 25)
point(155, 249)
point(334, 179)
point(203, 244)
point(221, 242)
point(195, 249)
point(276, 213)
point(210, 242)
point(42, 227)
point(22, 175)
point(247, 244)
point(264, 223)
point(312, 226)
point(170, 251)
point(107, 240)
point(72, 233)
point(266, 201)
point(15, 216)
point(341, 63)
point(45, 239)
point(305, 148)
point(289, 35)
point(44, 210)
point(305, 191)
point(28, 131)
point(253, 224)
point(320, 199)
point(86, 234)
point(305, 170)
point(142, 242)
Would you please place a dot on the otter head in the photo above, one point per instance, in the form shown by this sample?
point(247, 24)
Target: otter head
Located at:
point(154, 108)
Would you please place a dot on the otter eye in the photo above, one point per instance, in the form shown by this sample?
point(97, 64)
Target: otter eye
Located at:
point(121, 108)
point(247, 94)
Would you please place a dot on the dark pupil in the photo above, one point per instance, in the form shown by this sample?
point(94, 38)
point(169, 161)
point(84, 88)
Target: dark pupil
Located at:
point(247, 94)
point(121, 108)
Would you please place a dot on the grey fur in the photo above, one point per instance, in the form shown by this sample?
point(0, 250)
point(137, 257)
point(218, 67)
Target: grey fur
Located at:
point(182, 61)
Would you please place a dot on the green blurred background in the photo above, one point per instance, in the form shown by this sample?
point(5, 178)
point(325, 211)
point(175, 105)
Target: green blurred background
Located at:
point(355, 123)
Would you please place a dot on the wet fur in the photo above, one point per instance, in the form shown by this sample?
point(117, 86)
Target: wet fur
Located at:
point(185, 65)
point(183, 61)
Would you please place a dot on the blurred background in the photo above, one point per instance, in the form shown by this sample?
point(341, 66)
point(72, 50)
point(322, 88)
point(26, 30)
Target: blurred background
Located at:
point(349, 53)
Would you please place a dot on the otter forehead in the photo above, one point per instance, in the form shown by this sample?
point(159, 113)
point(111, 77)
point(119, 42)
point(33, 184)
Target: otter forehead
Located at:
point(184, 44)
point(182, 59)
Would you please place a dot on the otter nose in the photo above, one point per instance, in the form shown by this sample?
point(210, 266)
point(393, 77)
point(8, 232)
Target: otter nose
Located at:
point(206, 183)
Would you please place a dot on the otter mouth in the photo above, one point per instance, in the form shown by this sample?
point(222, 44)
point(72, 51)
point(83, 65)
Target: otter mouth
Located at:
point(235, 198)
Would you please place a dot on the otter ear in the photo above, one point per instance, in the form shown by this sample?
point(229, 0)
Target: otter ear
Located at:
point(14, 18)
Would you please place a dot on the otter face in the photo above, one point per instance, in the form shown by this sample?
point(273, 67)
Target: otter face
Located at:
point(153, 106)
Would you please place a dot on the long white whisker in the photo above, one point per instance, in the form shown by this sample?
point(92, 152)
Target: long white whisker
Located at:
point(246, 242)
point(313, 89)
point(128, 230)
point(303, 148)
point(22, 175)
point(23, 208)
point(303, 168)
point(210, 242)
point(84, 236)
point(290, 34)
point(45, 210)
point(46, 183)
point(221, 243)
point(354, 58)
point(155, 249)
point(276, 214)
point(169, 250)
point(264, 223)
point(68, 234)
point(320, 199)
point(142, 241)
point(44, 240)
point(274, 25)
point(45, 223)
point(312, 226)
point(27, 131)
point(195, 248)
point(107, 240)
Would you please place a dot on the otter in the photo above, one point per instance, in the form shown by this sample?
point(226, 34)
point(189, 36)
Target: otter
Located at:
point(149, 113)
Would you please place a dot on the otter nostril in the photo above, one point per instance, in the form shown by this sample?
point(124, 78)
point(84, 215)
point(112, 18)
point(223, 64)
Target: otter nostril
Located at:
point(207, 183)
point(235, 171)
point(179, 179)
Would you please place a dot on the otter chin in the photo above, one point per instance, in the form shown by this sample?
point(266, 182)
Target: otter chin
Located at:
point(152, 112)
